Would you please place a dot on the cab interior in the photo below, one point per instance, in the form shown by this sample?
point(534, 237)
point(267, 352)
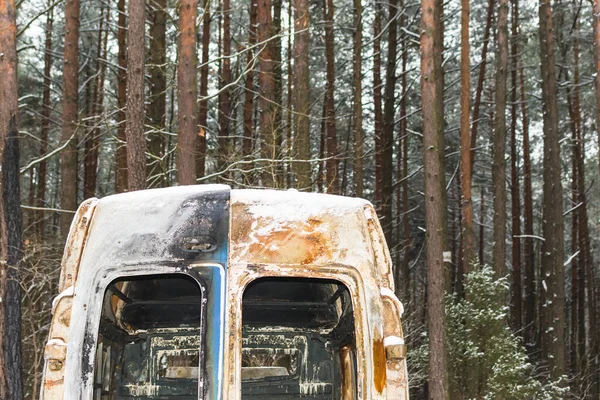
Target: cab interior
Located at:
point(298, 340)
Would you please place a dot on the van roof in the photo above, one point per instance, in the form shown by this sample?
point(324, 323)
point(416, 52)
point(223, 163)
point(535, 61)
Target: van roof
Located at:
point(249, 226)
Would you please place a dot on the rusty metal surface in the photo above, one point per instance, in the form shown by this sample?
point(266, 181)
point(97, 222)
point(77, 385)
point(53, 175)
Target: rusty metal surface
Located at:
point(56, 348)
point(397, 375)
point(275, 233)
point(348, 373)
point(75, 243)
point(271, 234)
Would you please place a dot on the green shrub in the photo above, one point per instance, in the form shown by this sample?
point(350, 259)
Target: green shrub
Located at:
point(485, 359)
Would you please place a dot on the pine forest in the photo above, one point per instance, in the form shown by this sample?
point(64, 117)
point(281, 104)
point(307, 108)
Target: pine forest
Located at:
point(473, 126)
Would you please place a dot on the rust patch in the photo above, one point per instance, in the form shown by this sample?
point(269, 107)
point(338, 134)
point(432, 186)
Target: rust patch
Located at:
point(300, 243)
point(75, 243)
point(379, 365)
point(49, 383)
point(65, 317)
point(348, 377)
point(265, 239)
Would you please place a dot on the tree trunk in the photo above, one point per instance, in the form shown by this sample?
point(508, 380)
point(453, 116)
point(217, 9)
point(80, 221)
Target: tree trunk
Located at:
point(289, 123)
point(224, 92)
point(403, 209)
point(100, 98)
point(481, 79)
point(68, 157)
point(331, 165)
point(468, 236)
point(121, 175)
point(529, 319)
point(41, 189)
point(277, 81)
point(378, 114)
point(596, 14)
point(96, 109)
point(136, 141)
point(157, 109)
point(302, 92)
point(591, 279)
point(11, 385)
point(387, 139)
point(249, 95)
point(187, 116)
point(87, 123)
point(575, 263)
point(267, 94)
point(322, 140)
point(357, 78)
point(579, 242)
point(499, 145)
point(553, 292)
point(482, 227)
point(435, 192)
point(585, 260)
point(203, 106)
point(514, 179)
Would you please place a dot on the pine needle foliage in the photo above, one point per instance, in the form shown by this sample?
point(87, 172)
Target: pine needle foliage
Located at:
point(486, 359)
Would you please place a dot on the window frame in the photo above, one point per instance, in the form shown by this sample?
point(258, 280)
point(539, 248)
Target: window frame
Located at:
point(90, 290)
point(240, 276)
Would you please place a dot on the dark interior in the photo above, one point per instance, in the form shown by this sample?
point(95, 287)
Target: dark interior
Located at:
point(294, 331)
point(149, 344)
point(298, 340)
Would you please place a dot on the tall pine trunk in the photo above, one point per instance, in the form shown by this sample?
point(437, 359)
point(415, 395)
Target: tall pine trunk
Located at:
point(302, 93)
point(514, 179)
point(267, 94)
point(203, 106)
point(121, 175)
point(96, 109)
point(435, 191)
point(157, 109)
point(553, 285)
point(289, 124)
point(387, 139)
point(11, 385)
point(468, 236)
point(136, 113)
point(249, 95)
point(499, 144)
point(403, 208)
point(529, 296)
point(224, 91)
point(596, 14)
point(187, 116)
point(41, 188)
point(278, 82)
point(68, 157)
point(357, 99)
point(481, 79)
point(331, 165)
point(378, 114)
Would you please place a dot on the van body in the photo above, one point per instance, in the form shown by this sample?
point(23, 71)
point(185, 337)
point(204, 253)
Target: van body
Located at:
point(204, 292)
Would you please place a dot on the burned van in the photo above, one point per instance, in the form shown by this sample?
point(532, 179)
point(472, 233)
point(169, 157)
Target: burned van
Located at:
point(203, 292)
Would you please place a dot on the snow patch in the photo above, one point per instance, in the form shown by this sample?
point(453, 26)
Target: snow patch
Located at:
point(393, 341)
point(294, 206)
point(68, 292)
